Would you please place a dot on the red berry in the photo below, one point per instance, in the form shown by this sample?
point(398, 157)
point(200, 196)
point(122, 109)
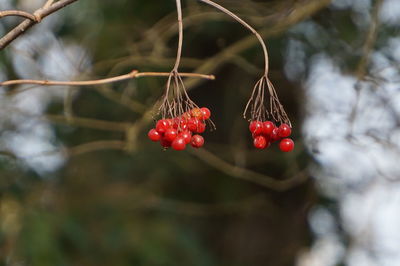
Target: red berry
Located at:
point(284, 131)
point(196, 113)
point(206, 113)
point(179, 144)
point(154, 135)
point(275, 135)
point(184, 127)
point(201, 127)
point(170, 134)
point(165, 143)
point(197, 141)
point(268, 127)
point(187, 135)
point(286, 145)
point(256, 127)
point(162, 125)
point(192, 124)
point(260, 142)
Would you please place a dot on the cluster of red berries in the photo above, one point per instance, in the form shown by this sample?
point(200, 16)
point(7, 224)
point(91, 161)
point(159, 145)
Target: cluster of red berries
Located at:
point(179, 131)
point(264, 133)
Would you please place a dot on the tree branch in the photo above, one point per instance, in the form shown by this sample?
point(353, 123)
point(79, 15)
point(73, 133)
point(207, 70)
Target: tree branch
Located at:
point(18, 13)
point(131, 75)
point(39, 14)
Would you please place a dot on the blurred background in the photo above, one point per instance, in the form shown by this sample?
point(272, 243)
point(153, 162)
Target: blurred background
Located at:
point(80, 183)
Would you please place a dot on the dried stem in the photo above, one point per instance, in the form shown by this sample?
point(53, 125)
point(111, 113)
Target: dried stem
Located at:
point(131, 75)
point(18, 13)
point(241, 21)
point(180, 41)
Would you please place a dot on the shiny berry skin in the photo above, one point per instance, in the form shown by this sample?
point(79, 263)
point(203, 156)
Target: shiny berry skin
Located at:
point(256, 127)
point(178, 144)
point(170, 134)
point(260, 142)
point(192, 124)
point(206, 113)
point(284, 131)
point(286, 145)
point(184, 127)
point(275, 135)
point(197, 141)
point(201, 127)
point(162, 125)
point(268, 127)
point(154, 135)
point(187, 135)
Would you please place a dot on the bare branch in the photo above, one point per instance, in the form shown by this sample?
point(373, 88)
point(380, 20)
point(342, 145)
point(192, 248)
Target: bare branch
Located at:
point(131, 75)
point(39, 14)
point(18, 13)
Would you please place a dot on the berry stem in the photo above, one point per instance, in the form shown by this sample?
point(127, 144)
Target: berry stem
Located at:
point(245, 24)
point(180, 41)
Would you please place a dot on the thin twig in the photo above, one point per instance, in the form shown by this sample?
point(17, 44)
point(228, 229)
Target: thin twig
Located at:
point(241, 21)
point(131, 75)
point(18, 13)
point(28, 23)
point(180, 41)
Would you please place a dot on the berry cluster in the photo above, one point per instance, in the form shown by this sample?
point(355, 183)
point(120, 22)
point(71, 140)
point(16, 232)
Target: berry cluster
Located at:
point(177, 132)
point(264, 133)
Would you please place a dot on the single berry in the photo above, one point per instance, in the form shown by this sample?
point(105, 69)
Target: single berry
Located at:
point(201, 127)
point(154, 135)
point(179, 144)
point(196, 113)
point(192, 124)
point(275, 135)
point(260, 142)
point(162, 125)
point(286, 145)
point(187, 135)
point(268, 127)
point(256, 127)
point(206, 113)
point(197, 141)
point(284, 131)
point(170, 134)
